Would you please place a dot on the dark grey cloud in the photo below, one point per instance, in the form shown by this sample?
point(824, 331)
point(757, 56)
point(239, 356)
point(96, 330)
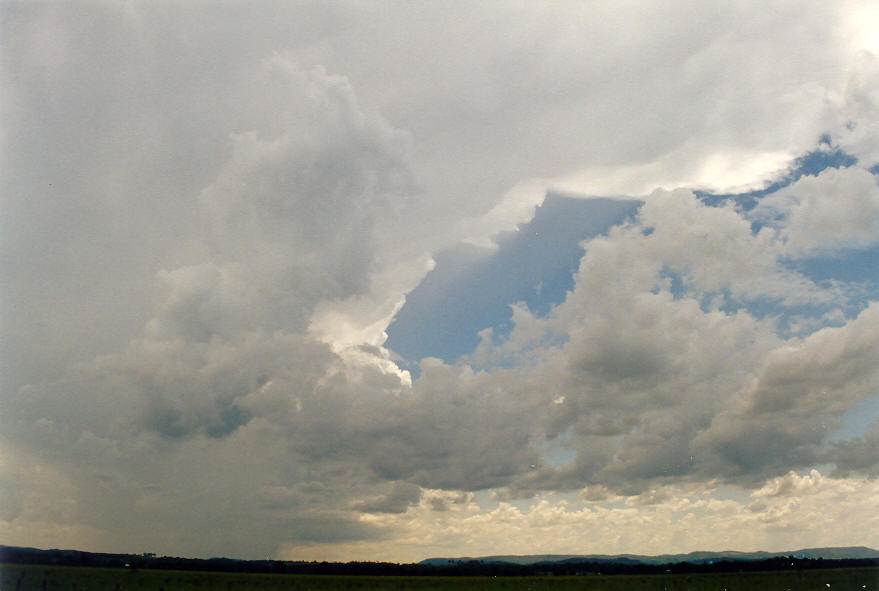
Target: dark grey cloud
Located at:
point(858, 455)
point(402, 496)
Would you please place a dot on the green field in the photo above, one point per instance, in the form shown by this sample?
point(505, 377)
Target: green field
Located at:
point(51, 578)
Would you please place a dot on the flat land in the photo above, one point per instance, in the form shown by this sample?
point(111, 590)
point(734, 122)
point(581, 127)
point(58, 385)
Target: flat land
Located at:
point(58, 578)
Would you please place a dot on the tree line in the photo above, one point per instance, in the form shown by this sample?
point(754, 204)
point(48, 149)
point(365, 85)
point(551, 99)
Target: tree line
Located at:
point(474, 568)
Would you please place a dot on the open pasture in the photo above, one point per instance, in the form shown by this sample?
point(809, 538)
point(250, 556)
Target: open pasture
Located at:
point(52, 578)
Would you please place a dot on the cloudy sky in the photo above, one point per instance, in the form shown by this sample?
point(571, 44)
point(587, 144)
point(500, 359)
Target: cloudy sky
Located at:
point(390, 280)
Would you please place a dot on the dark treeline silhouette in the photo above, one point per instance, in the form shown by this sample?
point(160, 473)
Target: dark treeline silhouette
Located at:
point(474, 568)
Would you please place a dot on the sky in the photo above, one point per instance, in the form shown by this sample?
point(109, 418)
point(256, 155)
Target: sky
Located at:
point(391, 280)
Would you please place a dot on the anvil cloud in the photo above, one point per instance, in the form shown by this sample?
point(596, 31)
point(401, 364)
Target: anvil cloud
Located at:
point(213, 215)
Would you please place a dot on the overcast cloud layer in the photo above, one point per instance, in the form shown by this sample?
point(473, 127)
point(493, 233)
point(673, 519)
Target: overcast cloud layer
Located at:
point(212, 214)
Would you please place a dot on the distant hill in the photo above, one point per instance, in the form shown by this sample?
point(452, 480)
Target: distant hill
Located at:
point(532, 565)
point(495, 566)
point(691, 557)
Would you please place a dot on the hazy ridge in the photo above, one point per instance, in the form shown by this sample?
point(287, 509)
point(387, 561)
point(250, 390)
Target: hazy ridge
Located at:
point(693, 557)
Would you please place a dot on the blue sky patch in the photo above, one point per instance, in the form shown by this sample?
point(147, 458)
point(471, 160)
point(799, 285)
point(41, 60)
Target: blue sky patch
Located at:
point(472, 288)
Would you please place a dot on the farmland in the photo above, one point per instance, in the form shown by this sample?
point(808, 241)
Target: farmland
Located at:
point(65, 578)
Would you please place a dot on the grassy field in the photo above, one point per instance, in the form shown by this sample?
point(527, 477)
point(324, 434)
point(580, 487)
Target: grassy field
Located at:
point(49, 578)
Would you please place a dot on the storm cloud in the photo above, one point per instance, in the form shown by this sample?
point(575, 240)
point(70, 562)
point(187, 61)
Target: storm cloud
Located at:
point(213, 217)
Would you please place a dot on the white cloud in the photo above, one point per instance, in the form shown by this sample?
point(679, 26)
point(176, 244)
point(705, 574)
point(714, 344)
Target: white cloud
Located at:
point(837, 209)
point(790, 507)
point(857, 124)
point(212, 213)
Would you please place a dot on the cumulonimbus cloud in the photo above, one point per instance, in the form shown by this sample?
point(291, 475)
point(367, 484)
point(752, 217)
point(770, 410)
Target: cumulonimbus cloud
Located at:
point(211, 231)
